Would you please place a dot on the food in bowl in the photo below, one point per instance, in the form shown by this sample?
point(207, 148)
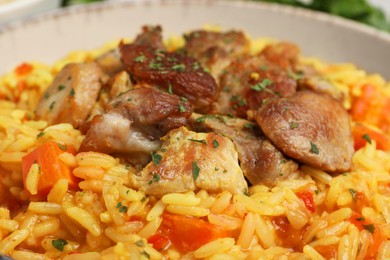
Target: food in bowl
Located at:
point(210, 145)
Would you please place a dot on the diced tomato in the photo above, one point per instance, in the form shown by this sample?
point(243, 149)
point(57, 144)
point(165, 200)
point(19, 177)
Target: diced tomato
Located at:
point(377, 238)
point(189, 233)
point(328, 251)
point(51, 167)
point(307, 197)
point(362, 133)
point(290, 237)
point(23, 69)
point(159, 241)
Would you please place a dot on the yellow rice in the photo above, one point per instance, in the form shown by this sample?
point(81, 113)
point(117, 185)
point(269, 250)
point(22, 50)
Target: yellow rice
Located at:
point(91, 224)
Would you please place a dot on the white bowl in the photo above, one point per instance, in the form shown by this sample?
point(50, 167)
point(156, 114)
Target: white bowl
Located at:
point(50, 36)
point(14, 9)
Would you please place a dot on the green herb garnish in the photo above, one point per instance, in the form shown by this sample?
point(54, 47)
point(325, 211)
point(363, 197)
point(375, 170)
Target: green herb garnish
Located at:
point(370, 228)
point(293, 125)
point(59, 244)
point(203, 141)
point(367, 138)
point(195, 170)
point(314, 148)
point(156, 158)
point(262, 86)
point(182, 109)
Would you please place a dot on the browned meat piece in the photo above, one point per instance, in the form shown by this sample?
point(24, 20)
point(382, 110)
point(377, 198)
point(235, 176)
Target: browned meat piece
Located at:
point(283, 54)
point(189, 161)
point(250, 82)
point(260, 160)
point(151, 36)
point(311, 128)
point(172, 71)
point(71, 96)
point(310, 79)
point(134, 123)
point(110, 62)
point(215, 50)
point(120, 83)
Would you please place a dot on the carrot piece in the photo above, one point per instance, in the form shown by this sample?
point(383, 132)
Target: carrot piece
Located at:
point(23, 69)
point(159, 241)
point(363, 133)
point(189, 233)
point(372, 107)
point(51, 167)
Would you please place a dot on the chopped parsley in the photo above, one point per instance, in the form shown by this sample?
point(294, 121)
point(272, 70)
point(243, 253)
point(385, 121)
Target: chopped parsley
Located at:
point(40, 134)
point(215, 143)
point(183, 99)
point(62, 147)
point(145, 254)
point(293, 125)
point(46, 96)
point(182, 109)
point(367, 138)
point(263, 67)
point(178, 67)
point(370, 228)
point(353, 193)
point(360, 219)
point(156, 177)
point(203, 141)
point(240, 101)
point(249, 125)
point(60, 87)
point(59, 244)
point(121, 208)
point(195, 170)
point(262, 86)
point(170, 89)
point(140, 58)
point(155, 65)
point(156, 158)
point(195, 66)
point(52, 105)
point(314, 148)
point(71, 93)
point(140, 243)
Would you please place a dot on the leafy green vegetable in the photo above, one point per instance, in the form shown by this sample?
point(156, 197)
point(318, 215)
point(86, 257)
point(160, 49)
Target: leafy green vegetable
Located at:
point(357, 10)
point(75, 2)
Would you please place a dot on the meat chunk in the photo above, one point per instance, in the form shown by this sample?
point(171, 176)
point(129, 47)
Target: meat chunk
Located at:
point(134, 123)
point(260, 160)
point(249, 82)
point(189, 161)
point(119, 84)
point(215, 50)
point(151, 36)
point(110, 62)
point(283, 54)
point(311, 128)
point(311, 79)
point(70, 97)
point(174, 72)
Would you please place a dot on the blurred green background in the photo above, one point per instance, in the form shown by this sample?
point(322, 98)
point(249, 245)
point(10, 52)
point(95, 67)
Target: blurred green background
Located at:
point(357, 10)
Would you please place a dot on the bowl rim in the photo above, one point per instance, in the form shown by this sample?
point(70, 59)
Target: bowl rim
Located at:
point(273, 7)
